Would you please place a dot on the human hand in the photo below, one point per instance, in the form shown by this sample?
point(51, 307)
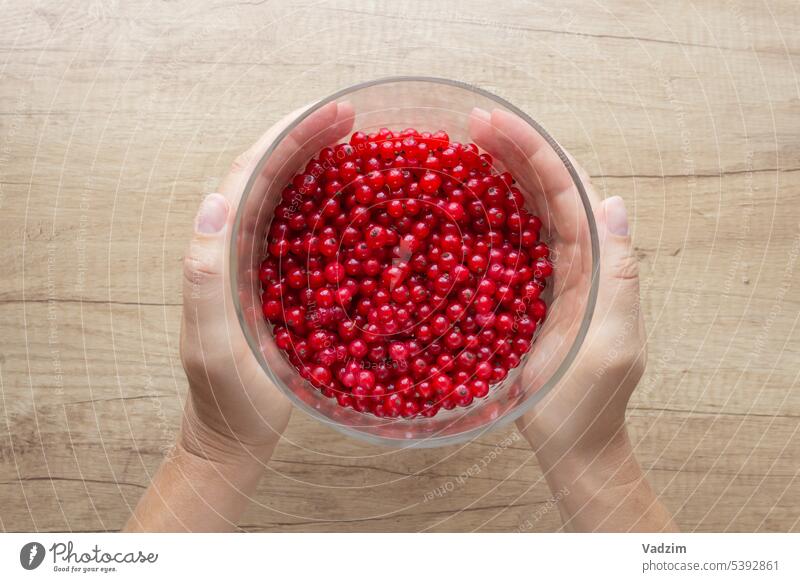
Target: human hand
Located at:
point(234, 411)
point(586, 410)
point(234, 414)
point(578, 430)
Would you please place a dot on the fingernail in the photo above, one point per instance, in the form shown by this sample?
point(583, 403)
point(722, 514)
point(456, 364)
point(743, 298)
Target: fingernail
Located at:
point(213, 214)
point(616, 216)
point(481, 114)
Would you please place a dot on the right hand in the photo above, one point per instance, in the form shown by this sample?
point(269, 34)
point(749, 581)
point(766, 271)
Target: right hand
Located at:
point(585, 413)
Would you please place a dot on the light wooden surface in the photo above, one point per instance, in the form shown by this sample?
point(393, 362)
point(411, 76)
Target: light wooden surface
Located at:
point(115, 118)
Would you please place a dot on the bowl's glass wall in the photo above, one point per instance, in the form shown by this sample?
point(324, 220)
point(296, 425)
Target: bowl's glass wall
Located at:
point(423, 104)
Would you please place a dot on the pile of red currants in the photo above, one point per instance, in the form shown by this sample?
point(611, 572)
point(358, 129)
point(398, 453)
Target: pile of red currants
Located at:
point(403, 273)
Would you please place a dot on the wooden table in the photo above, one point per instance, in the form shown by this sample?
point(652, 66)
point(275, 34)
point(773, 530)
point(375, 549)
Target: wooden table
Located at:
point(116, 117)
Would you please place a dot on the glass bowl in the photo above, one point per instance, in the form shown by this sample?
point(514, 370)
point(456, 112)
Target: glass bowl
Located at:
point(518, 144)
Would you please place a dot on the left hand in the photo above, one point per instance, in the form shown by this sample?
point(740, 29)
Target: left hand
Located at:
point(234, 411)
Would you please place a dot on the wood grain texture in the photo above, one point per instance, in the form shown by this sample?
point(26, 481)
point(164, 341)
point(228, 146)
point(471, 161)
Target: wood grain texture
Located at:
point(115, 118)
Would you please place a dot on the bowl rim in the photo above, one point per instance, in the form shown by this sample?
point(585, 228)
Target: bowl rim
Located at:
point(429, 441)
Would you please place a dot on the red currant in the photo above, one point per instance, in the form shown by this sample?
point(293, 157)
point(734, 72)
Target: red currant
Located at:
point(403, 275)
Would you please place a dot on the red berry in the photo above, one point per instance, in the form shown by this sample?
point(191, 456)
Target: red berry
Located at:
point(479, 388)
point(542, 269)
point(357, 348)
point(334, 272)
point(430, 182)
point(403, 274)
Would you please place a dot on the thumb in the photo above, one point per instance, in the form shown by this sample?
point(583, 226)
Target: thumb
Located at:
point(619, 268)
point(203, 265)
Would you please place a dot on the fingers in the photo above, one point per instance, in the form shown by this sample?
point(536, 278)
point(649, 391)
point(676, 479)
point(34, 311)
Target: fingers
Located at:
point(203, 264)
point(618, 263)
point(618, 302)
point(541, 172)
point(537, 166)
point(204, 299)
point(218, 363)
point(323, 127)
point(326, 125)
point(482, 132)
point(545, 173)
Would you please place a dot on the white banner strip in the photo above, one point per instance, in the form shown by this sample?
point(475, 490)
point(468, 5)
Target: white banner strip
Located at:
point(401, 557)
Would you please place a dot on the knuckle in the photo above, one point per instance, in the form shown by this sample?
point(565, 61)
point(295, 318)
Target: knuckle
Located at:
point(635, 360)
point(195, 268)
point(190, 362)
point(200, 268)
point(190, 357)
point(621, 354)
point(194, 276)
point(199, 363)
point(197, 367)
point(627, 364)
point(626, 267)
point(632, 360)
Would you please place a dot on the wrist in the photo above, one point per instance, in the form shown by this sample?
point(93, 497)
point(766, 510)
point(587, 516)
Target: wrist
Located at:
point(604, 488)
point(599, 465)
point(234, 468)
point(195, 493)
point(203, 441)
